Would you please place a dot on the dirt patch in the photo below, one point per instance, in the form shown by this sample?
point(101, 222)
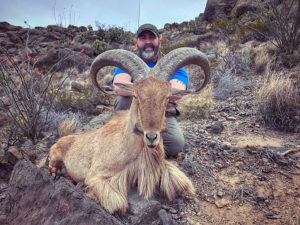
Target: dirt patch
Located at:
point(256, 140)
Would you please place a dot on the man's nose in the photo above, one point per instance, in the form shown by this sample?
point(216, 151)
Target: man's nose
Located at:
point(147, 40)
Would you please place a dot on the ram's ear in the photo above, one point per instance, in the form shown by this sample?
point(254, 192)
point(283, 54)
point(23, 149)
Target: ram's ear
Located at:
point(178, 94)
point(125, 86)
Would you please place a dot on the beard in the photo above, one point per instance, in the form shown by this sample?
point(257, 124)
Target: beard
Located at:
point(148, 55)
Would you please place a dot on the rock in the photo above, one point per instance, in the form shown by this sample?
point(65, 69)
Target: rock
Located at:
point(222, 202)
point(226, 146)
point(98, 121)
point(3, 119)
point(140, 210)
point(217, 127)
point(102, 108)
point(14, 155)
point(220, 193)
point(76, 86)
point(36, 199)
point(5, 169)
point(173, 211)
point(217, 10)
point(243, 6)
point(166, 218)
point(58, 29)
point(4, 26)
point(230, 118)
point(14, 37)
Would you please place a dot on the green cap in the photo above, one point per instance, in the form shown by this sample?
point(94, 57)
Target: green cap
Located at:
point(148, 27)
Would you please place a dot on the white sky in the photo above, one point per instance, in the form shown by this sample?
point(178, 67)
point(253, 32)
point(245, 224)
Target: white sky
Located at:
point(121, 13)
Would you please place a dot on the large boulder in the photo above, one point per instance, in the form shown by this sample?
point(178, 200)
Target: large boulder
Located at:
point(243, 6)
point(33, 198)
point(4, 26)
point(218, 9)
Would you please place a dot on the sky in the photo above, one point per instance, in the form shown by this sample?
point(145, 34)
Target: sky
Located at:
point(121, 13)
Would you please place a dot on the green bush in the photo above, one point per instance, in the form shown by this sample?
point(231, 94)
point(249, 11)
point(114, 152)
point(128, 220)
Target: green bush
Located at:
point(227, 25)
point(114, 34)
point(99, 46)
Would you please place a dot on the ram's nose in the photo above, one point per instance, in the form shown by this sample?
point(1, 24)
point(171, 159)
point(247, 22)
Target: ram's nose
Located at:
point(151, 137)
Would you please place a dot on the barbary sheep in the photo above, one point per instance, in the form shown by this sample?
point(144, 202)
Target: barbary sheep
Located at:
point(129, 149)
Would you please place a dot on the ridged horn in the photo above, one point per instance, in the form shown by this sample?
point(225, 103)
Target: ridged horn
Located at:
point(123, 59)
point(174, 60)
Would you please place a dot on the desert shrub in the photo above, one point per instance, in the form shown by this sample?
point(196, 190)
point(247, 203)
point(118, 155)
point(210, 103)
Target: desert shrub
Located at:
point(246, 31)
point(227, 25)
point(197, 106)
point(114, 34)
point(280, 25)
point(228, 85)
point(68, 42)
point(284, 59)
point(27, 93)
point(278, 104)
point(99, 46)
point(63, 100)
point(227, 73)
point(63, 122)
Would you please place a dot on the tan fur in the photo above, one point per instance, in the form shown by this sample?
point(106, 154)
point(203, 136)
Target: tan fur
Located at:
point(116, 157)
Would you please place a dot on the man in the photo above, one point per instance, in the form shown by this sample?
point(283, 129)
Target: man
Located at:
point(148, 45)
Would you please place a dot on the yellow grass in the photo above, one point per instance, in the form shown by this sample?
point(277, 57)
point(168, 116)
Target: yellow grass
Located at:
point(278, 104)
point(197, 105)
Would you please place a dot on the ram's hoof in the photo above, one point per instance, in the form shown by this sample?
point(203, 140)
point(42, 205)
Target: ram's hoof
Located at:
point(54, 176)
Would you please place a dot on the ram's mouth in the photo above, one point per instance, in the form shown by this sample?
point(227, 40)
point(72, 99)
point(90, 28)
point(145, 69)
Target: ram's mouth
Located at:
point(151, 146)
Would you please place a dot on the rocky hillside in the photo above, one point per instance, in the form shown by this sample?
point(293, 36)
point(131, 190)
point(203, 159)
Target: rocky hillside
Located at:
point(242, 132)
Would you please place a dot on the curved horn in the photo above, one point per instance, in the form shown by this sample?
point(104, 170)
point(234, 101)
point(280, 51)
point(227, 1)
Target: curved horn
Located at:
point(123, 59)
point(174, 60)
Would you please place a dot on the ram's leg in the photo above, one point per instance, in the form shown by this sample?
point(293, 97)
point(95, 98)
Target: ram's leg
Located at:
point(55, 163)
point(173, 181)
point(105, 191)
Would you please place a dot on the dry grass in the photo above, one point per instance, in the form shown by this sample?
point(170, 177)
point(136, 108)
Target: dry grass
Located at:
point(67, 127)
point(197, 106)
point(261, 60)
point(278, 104)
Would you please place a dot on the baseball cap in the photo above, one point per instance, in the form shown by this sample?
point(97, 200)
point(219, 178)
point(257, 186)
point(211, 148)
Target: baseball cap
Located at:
point(148, 27)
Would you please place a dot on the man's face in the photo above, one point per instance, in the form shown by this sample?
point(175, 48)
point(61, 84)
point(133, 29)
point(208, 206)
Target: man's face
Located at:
point(148, 46)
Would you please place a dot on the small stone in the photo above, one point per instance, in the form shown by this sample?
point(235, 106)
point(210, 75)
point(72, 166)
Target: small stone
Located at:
point(76, 87)
point(226, 146)
point(176, 216)
point(165, 218)
point(231, 118)
point(220, 194)
point(220, 203)
point(173, 211)
point(217, 127)
point(14, 154)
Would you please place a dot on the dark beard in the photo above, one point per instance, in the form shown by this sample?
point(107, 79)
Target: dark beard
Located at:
point(148, 55)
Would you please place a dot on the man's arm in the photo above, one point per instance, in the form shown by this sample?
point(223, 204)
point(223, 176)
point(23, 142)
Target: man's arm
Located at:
point(177, 84)
point(126, 78)
point(122, 78)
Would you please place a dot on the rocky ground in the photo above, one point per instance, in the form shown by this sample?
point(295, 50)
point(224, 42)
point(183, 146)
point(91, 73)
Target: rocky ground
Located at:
point(243, 172)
